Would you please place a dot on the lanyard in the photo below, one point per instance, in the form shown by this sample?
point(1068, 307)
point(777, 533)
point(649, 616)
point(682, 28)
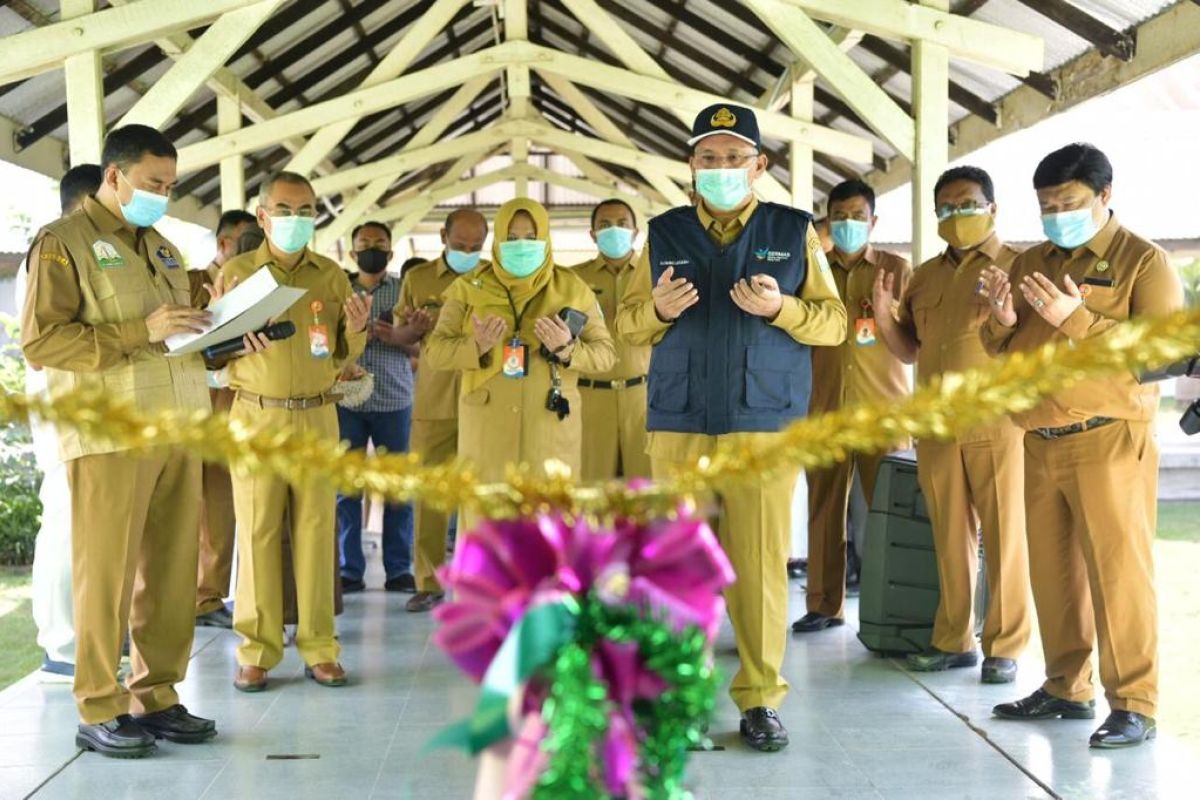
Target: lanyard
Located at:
point(516, 317)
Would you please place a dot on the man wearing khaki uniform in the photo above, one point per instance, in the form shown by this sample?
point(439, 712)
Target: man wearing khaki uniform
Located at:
point(1091, 462)
point(217, 521)
point(976, 479)
point(435, 400)
point(614, 402)
point(731, 293)
point(859, 370)
point(105, 291)
point(288, 388)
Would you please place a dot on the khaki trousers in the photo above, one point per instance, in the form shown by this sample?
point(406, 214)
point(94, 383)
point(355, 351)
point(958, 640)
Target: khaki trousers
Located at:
point(265, 504)
point(134, 565)
point(828, 501)
point(614, 433)
point(1091, 500)
point(966, 485)
point(436, 441)
point(217, 524)
point(754, 528)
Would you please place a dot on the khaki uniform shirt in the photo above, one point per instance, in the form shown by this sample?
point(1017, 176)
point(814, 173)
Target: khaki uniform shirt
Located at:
point(815, 317)
point(92, 283)
point(1127, 276)
point(287, 369)
point(504, 420)
point(437, 390)
point(943, 307)
point(609, 283)
point(861, 369)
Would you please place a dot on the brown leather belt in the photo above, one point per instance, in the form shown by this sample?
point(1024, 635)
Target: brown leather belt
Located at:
point(290, 403)
point(587, 383)
point(1067, 430)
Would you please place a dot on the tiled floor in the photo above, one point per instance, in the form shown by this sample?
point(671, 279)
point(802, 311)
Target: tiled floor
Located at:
point(860, 727)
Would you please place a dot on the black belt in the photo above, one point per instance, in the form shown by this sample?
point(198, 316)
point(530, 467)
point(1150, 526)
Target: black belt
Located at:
point(586, 383)
point(1067, 430)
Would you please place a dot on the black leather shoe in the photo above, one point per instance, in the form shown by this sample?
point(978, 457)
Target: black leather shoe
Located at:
point(937, 661)
point(998, 670)
point(218, 618)
point(401, 583)
point(122, 737)
point(175, 724)
point(763, 730)
point(1123, 729)
point(813, 622)
point(1043, 705)
point(352, 585)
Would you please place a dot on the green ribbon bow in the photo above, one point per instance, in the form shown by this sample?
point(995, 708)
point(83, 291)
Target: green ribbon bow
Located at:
point(531, 644)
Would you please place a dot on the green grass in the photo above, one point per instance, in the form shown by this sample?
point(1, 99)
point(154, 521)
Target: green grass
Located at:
point(1179, 521)
point(19, 653)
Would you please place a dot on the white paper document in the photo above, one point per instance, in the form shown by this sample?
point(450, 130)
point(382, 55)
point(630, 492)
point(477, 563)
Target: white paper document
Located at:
point(248, 307)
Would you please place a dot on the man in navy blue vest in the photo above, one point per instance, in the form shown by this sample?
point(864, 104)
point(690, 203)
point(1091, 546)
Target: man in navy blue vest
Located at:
point(731, 293)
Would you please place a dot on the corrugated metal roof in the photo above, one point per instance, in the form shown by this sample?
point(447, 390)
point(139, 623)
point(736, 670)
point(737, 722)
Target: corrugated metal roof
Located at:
point(312, 50)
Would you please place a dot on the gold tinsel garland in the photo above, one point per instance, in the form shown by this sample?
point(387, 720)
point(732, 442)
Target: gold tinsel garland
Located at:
point(943, 408)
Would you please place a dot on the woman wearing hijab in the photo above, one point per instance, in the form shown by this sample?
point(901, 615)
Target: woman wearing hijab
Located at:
point(501, 327)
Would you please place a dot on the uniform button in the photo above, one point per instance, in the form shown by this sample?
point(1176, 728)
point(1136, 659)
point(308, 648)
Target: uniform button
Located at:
point(516, 410)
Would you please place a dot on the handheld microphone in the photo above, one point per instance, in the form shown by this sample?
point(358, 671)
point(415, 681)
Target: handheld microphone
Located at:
point(280, 330)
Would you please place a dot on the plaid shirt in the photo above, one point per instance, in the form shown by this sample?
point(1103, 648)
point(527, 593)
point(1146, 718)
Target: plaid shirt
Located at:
point(391, 367)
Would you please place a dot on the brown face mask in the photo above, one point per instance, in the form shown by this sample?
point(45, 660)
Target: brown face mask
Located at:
point(964, 232)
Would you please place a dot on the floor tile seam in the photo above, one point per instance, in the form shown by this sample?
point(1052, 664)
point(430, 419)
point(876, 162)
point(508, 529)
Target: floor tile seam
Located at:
point(978, 731)
point(391, 743)
point(55, 774)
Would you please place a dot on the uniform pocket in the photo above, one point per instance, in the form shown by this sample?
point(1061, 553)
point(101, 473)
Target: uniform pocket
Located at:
point(768, 378)
point(479, 397)
point(669, 381)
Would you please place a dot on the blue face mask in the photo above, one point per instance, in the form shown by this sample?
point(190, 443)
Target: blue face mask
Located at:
point(144, 208)
point(462, 262)
point(723, 189)
point(1070, 229)
point(615, 242)
point(522, 257)
point(292, 234)
point(850, 235)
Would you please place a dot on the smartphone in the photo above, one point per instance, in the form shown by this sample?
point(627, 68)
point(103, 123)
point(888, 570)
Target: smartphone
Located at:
point(575, 320)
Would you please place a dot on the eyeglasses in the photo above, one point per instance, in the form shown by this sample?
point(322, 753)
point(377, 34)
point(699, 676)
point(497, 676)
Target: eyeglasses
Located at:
point(967, 208)
point(308, 212)
point(716, 161)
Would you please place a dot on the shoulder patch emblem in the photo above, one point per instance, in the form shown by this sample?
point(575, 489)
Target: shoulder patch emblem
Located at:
point(106, 254)
point(57, 258)
point(167, 258)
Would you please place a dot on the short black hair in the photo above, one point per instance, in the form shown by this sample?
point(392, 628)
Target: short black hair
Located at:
point(613, 201)
point(372, 224)
point(972, 174)
point(231, 219)
point(283, 176)
point(79, 181)
point(250, 240)
point(129, 144)
point(1081, 162)
point(852, 188)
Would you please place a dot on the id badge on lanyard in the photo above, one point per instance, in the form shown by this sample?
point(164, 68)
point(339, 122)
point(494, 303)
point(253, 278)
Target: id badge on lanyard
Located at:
point(318, 332)
point(516, 358)
point(516, 352)
point(864, 326)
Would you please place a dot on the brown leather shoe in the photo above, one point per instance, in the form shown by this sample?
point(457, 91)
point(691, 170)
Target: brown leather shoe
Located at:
point(250, 679)
point(424, 601)
point(328, 674)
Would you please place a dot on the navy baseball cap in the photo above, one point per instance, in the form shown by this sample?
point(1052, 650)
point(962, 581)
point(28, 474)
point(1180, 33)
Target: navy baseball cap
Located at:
point(734, 120)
